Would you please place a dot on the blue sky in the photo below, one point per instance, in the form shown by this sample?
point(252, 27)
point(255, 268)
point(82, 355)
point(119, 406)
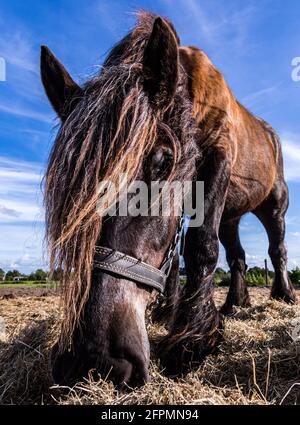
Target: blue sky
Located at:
point(251, 42)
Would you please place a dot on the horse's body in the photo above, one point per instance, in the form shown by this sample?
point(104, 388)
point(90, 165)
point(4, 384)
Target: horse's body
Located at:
point(255, 180)
point(173, 104)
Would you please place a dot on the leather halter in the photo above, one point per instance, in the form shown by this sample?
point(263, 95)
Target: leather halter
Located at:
point(131, 268)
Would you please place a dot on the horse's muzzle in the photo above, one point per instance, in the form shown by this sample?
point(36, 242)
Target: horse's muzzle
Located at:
point(68, 368)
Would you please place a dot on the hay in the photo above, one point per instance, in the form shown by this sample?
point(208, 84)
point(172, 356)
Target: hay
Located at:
point(257, 363)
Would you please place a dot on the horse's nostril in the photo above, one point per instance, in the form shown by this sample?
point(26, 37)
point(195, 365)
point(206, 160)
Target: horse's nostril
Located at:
point(63, 366)
point(127, 372)
point(140, 374)
point(67, 368)
point(139, 379)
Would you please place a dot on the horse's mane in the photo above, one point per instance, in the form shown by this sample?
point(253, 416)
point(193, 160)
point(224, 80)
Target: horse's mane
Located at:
point(110, 131)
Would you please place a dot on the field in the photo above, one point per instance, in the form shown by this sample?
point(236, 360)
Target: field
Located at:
point(27, 284)
point(258, 361)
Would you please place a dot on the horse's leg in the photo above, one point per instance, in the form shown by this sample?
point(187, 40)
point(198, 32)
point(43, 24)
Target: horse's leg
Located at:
point(238, 294)
point(271, 213)
point(197, 325)
point(164, 310)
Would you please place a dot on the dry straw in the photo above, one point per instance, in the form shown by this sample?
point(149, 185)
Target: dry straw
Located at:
point(257, 363)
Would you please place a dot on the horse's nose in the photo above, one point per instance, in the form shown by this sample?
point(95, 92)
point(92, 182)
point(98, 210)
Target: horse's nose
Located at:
point(128, 357)
point(113, 341)
point(124, 362)
point(130, 370)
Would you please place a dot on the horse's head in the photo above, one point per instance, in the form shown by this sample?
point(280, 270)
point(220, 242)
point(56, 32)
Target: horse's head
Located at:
point(133, 119)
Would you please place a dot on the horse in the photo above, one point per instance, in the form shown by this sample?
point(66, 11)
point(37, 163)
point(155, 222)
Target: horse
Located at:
point(155, 110)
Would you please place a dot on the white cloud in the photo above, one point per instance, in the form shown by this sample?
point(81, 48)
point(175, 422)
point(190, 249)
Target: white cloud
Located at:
point(291, 155)
point(27, 113)
point(252, 258)
point(21, 215)
point(23, 211)
point(296, 234)
point(19, 175)
point(17, 50)
point(21, 247)
point(217, 23)
point(292, 220)
point(257, 98)
point(8, 211)
point(21, 54)
point(20, 191)
point(16, 163)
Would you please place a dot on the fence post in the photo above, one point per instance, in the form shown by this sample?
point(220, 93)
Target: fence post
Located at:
point(266, 272)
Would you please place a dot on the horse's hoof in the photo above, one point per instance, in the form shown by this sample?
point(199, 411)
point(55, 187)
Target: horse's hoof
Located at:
point(228, 310)
point(287, 297)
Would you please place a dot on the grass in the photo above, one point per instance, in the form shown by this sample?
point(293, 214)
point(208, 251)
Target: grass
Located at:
point(258, 361)
point(28, 284)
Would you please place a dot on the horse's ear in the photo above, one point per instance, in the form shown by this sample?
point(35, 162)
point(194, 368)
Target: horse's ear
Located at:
point(61, 89)
point(160, 64)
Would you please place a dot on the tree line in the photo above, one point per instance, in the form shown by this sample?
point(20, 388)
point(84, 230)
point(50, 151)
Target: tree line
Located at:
point(255, 276)
point(38, 275)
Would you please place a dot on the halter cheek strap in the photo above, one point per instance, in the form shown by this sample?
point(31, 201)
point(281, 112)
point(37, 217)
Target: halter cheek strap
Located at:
point(131, 268)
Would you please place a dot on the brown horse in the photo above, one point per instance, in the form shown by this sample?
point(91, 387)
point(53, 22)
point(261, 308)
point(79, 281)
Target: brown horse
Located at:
point(156, 110)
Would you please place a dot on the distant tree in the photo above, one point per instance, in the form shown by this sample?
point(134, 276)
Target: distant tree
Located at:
point(295, 276)
point(2, 274)
point(221, 277)
point(256, 276)
point(12, 273)
point(256, 270)
point(39, 274)
point(220, 271)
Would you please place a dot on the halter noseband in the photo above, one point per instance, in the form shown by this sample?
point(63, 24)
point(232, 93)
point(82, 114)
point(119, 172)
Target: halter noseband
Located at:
point(131, 268)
